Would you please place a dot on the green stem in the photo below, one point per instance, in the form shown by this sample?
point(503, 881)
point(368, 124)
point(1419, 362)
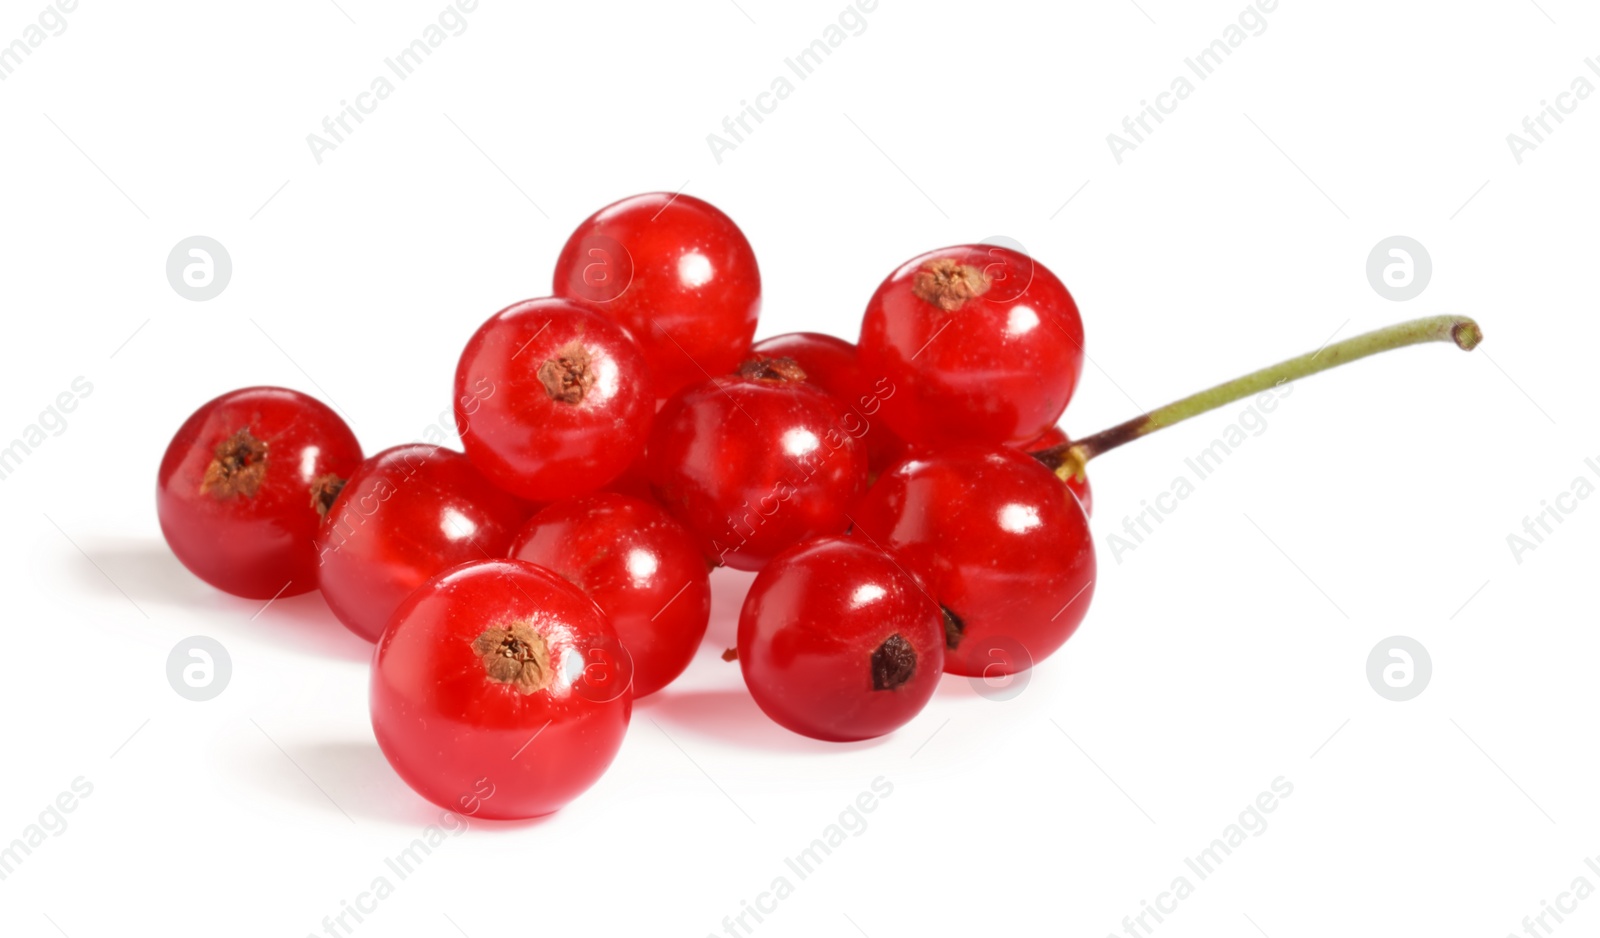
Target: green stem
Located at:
point(1069, 459)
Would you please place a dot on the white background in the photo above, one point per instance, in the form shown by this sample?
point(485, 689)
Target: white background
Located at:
point(1227, 650)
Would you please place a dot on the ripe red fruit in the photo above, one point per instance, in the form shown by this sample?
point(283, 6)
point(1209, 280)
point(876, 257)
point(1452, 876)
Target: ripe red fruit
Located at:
point(837, 642)
point(643, 569)
point(552, 399)
point(677, 273)
point(500, 691)
point(756, 462)
point(979, 343)
point(1054, 437)
point(999, 543)
point(243, 484)
point(831, 364)
point(405, 515)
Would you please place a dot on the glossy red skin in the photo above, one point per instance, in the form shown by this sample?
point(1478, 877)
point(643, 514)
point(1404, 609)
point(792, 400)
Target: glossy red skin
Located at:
point(1000, 369)
point(407, 514)
point(643, 569)
point(634, 481)
point(753, 467)
point(808, 630)
point(998, 541)
point(524, 439)
point(483, 748)
point(1053, 437)
point(830, 363)
point(256, 546)
point(690, 287)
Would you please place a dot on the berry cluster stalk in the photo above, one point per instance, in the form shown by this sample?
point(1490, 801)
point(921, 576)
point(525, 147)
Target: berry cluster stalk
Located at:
point(1069, 459)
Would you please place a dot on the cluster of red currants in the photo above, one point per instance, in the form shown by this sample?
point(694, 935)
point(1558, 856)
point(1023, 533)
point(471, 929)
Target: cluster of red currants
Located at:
point(907, 500)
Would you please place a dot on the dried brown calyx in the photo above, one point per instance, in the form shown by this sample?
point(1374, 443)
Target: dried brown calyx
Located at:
point(949, 284)
point(954, 628)
point(567, 377)
point(514, 655)
point(324, 489)
point(730, 654)
point(778, 370)
point(238, 466)
point(893, 663)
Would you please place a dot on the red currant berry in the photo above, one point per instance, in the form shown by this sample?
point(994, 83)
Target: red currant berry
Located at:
point(677, 273)
point(1052, 438)
point(999, 543)
point(552, 400)
point(500, 691)
point(405, 515)
point(837, 642)
point(756, 462)
point(643, 569)
point(831, 364)
point(978, 343)
point(243, 485)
